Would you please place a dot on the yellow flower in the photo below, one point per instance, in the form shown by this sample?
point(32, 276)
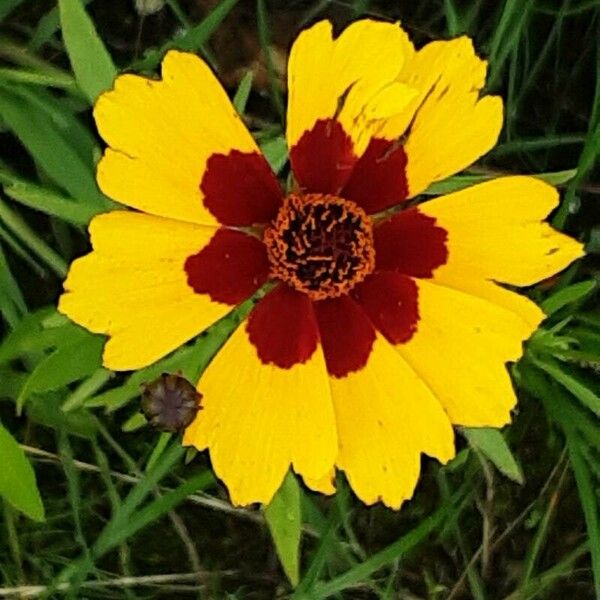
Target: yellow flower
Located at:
point(380, 331)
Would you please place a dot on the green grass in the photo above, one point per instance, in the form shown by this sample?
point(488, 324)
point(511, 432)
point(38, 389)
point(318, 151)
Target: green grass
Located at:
point(128, 513)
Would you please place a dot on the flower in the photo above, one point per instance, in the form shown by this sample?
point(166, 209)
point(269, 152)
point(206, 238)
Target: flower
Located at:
point(386, 323)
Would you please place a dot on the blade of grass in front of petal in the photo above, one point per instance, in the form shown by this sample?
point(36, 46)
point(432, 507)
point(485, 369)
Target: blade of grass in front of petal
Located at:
point(460, 182)
point(93, 67)
point(284, 519)
point(191, 360)
point(276, 152)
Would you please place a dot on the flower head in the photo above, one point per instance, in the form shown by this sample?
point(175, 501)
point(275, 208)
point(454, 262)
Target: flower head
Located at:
point(385, 323)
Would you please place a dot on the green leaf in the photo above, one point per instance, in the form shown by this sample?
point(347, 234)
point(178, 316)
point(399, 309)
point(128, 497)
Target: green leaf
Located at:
point(30, 335)
point(584, 394)
point(568, 295)
point(12, 304)
point(93, 67)
point(59, 144)
point(17, 479)
point(48, 201)
point(283, 515)
point(491, 443)
point(70, 362)
point(34, 242)
point(460, 182)
point(47, 26)
point(276, 152)
point(243, 93)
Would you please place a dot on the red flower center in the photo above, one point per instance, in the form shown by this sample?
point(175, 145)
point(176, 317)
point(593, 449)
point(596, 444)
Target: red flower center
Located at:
point(320, 244)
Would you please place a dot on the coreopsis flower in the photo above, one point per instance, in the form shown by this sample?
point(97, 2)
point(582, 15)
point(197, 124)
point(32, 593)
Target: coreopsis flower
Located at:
point(386, 321)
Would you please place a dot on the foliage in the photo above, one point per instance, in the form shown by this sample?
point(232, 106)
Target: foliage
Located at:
point(147, 519)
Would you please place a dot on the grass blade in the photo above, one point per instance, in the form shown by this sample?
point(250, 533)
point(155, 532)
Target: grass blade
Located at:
point(93, 67)
point(17, 479)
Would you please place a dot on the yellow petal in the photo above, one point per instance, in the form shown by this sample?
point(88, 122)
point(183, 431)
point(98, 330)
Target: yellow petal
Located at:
point(162, 133)
point(340, 77)
point(495, 232)
point(460, 350)
point(386, 418)
point(450, 125)
point(257, 419)
point(133, 287)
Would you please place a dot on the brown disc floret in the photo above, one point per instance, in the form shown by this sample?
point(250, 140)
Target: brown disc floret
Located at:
point(320, 244)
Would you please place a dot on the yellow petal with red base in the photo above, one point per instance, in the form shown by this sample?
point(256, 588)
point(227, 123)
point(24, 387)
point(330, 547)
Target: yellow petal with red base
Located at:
point(460, 349)
point(162, 134)
point(386, 417)
point(133, 287)
point(349, 78)
point(258, 419)
point(495, 231)
point(447, 125)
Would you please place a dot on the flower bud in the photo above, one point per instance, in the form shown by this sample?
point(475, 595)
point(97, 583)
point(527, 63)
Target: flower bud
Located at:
point(170, 402)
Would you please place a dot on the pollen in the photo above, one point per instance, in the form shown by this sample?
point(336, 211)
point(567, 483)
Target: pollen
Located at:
point(320, 244)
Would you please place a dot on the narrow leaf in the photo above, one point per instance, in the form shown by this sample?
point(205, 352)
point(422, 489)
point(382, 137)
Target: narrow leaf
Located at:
point(583, 393)
point(17, 479)
point(459, 182)
point(67, 364)
point(56, 145)
point(283, 515)
point(568, 295)
point(491, 443)
point(93, 67)
point(243, 93)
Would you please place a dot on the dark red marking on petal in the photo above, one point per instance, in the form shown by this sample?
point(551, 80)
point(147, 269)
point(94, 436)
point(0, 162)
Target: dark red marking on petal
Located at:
point(378, 179)
point(322, 159)
point(347, 335)
point(410, 243)
point(283, 328)
point(240, 188)
point(230, 268)
point(391, 301)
